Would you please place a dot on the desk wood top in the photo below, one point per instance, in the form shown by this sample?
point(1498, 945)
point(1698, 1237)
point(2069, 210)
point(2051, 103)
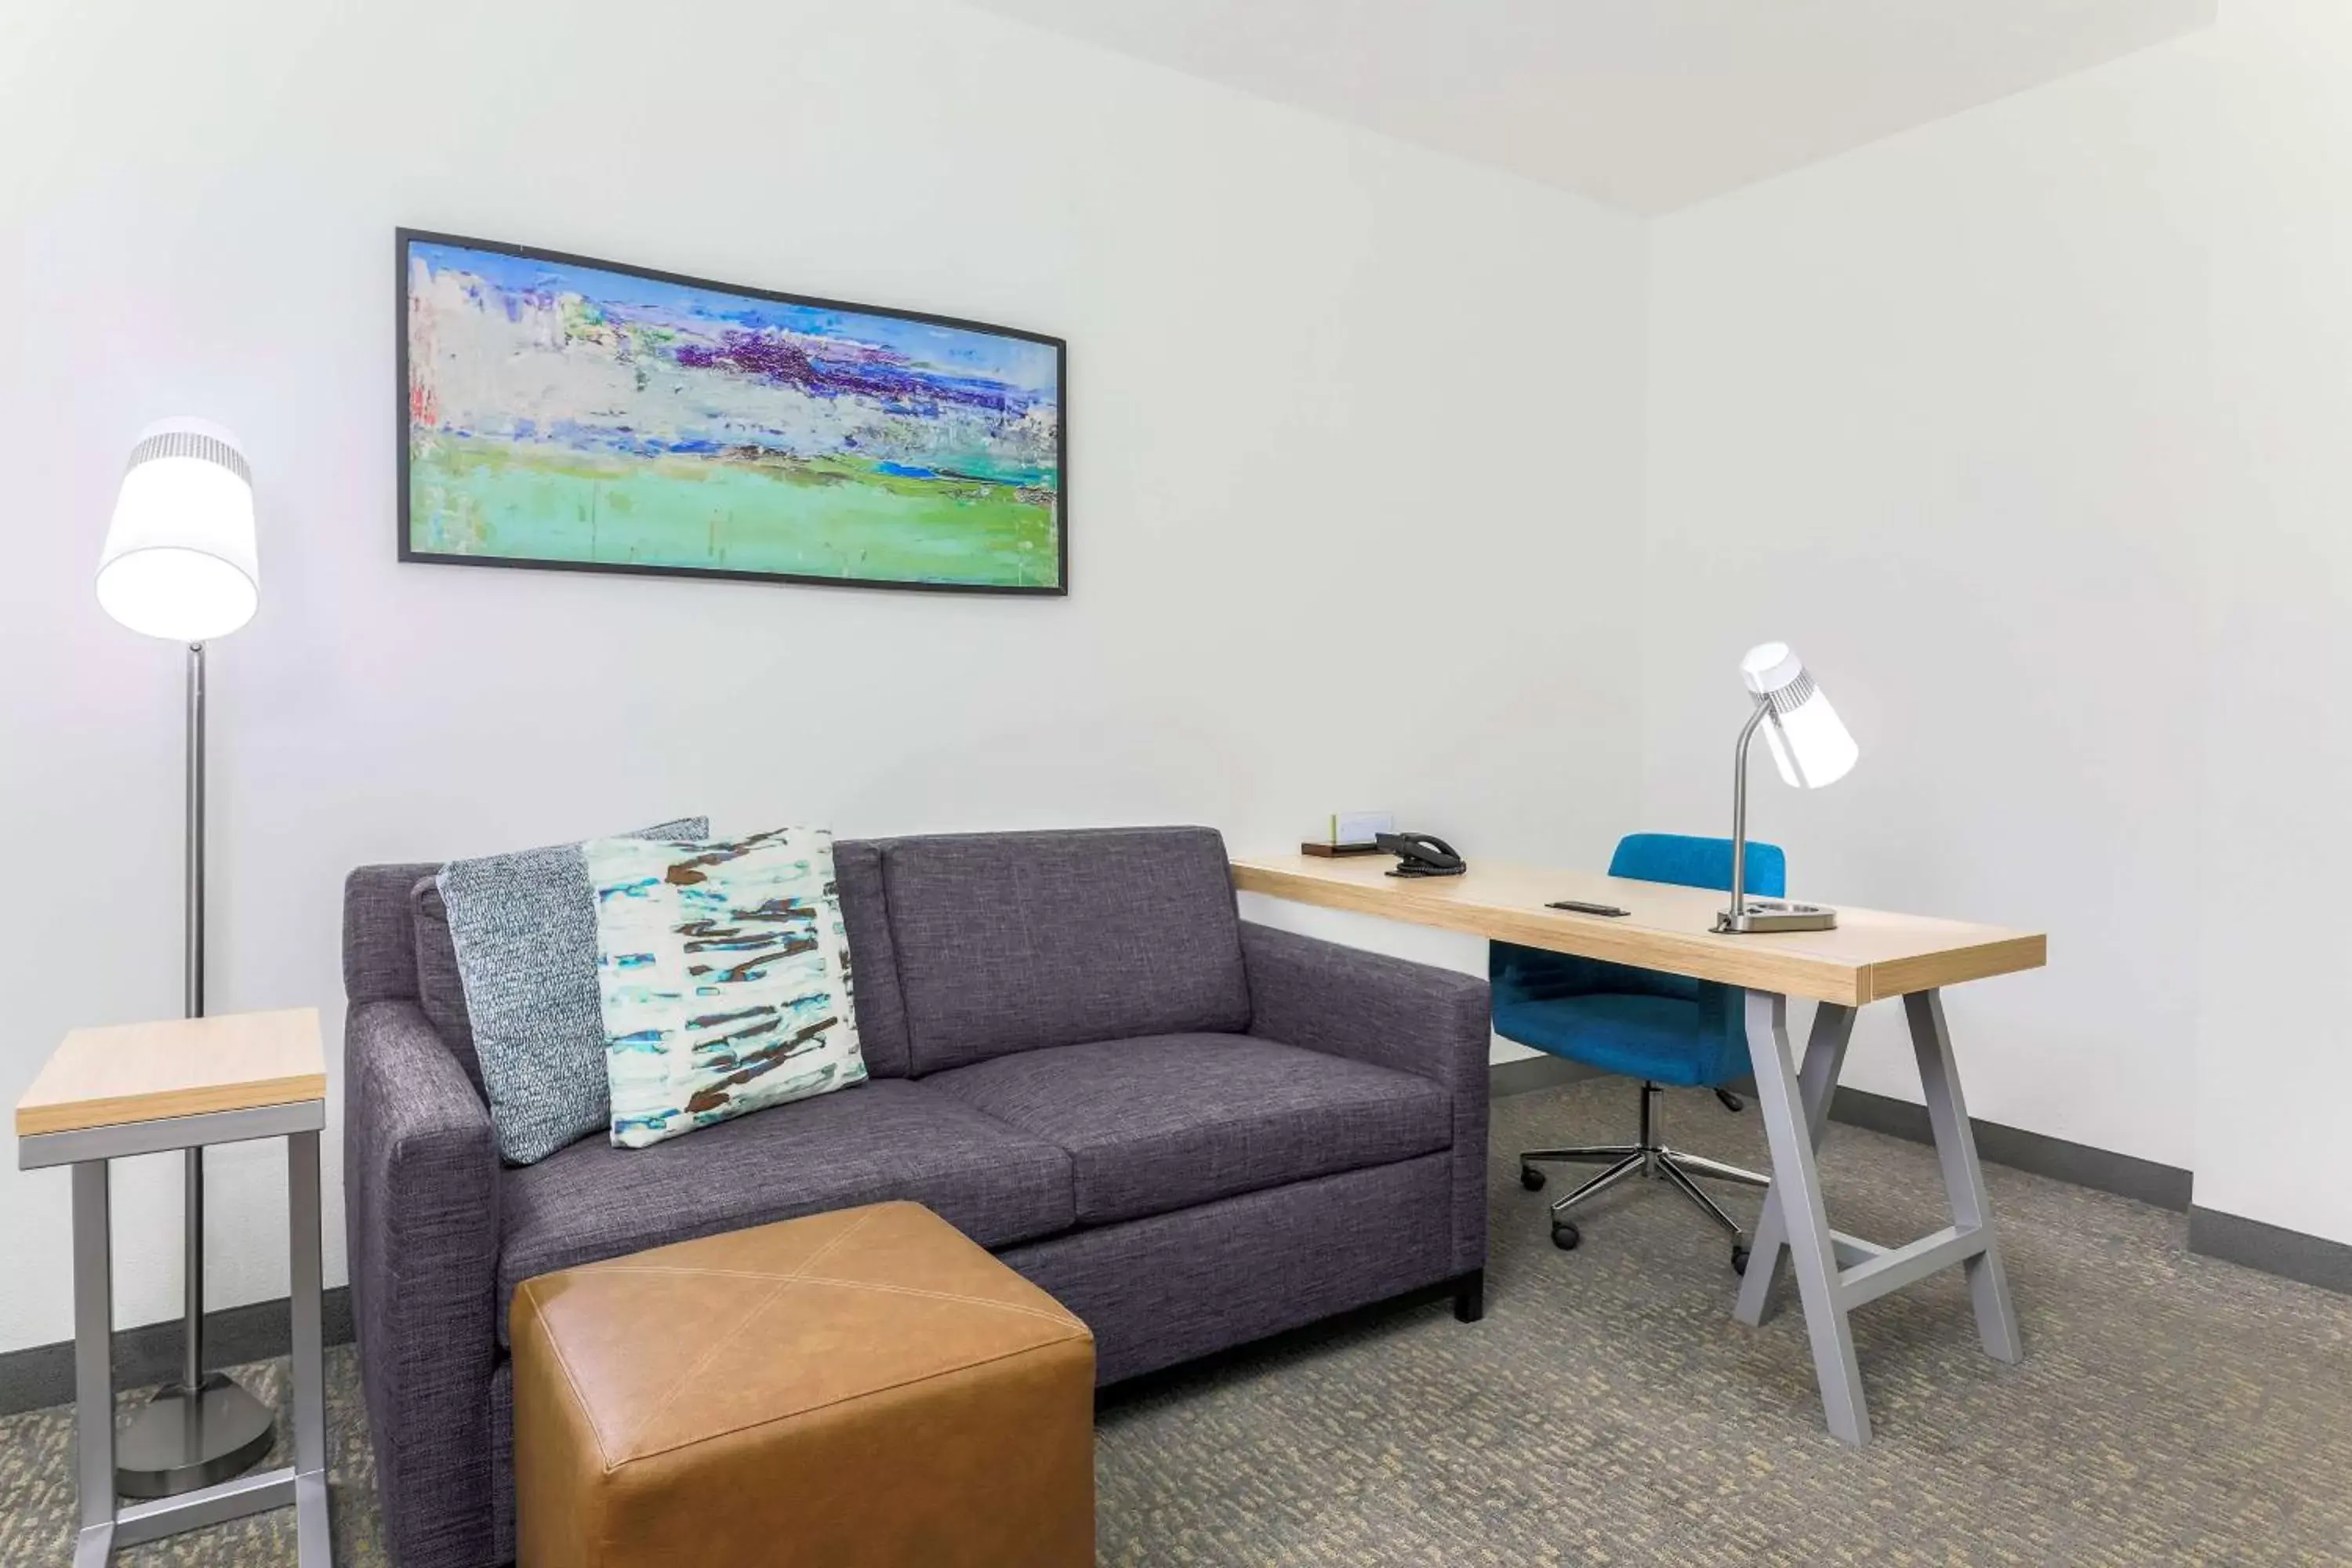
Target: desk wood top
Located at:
point(186, 1067)
point(1871, 955)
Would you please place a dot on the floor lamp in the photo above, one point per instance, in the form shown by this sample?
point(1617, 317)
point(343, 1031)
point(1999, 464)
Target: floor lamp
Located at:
point(180, 563)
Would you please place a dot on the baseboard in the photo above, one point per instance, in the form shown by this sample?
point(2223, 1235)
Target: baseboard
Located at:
point(2102, 1170)
point(1529, 1074)
point(2231, 1238)
point(42, 1376)
point(2273, 1250)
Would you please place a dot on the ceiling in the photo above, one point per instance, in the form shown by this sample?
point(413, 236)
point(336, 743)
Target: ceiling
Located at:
point(1644, 105)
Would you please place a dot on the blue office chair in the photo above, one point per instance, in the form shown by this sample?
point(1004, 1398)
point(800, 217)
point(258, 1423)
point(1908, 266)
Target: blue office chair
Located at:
point(1659, 1028)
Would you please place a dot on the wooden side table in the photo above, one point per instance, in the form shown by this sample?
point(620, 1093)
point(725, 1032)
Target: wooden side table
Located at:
point(141, 1088)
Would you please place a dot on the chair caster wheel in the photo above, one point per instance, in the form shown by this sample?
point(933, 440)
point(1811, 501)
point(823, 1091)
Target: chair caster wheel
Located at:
point(1531, 1178)
point(1565, 1236)
point(1738, 1258)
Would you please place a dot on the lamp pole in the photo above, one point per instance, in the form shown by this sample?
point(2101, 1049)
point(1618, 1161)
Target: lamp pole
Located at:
point(191, 1356)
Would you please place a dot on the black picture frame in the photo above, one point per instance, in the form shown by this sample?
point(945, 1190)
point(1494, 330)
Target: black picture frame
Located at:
point(404, 238)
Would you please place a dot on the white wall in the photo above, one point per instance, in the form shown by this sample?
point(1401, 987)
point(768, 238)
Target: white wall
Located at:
point(1920, 411)
point(2029, 429)
point(1305, 362)
point(2275, 1066)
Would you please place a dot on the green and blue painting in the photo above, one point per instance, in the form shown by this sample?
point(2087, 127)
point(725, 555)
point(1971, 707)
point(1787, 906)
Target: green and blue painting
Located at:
point(567, 413)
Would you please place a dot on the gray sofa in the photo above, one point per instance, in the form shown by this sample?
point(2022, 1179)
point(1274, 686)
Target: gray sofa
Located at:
point(1192, 1131)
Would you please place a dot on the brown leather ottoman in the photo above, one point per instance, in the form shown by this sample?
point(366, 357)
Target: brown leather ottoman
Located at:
point(862, 1389)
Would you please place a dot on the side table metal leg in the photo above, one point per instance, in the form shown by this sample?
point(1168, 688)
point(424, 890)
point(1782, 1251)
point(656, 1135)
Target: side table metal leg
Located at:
point(1956, 1149)
point(1796, 1184)
point(93, 1283)
point(309, 1368)
point(1767, 1256)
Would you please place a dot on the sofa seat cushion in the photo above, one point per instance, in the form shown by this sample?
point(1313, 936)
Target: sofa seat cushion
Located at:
point(882, 1139)
point(1166, 1121)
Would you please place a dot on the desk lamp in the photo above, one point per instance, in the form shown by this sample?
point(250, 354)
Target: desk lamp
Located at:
point(180, 563)
point(1811, 744)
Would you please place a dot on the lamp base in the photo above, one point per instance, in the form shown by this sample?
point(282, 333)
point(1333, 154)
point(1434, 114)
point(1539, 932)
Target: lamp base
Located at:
point(1774, 914)
point(180, 1442)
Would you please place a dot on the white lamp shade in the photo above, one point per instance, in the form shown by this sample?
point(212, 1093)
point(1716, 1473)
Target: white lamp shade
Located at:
point(1810, 742)
point(180, 560)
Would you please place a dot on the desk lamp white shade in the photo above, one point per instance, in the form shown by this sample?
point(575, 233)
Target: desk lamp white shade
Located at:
point(1808, 741)
point(180, 561)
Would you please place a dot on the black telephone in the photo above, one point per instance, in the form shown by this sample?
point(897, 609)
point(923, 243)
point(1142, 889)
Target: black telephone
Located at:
point(1421, 855)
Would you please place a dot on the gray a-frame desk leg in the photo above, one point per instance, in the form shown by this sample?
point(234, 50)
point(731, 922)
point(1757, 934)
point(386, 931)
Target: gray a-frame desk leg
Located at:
point(1796, 1195)
point(1956, 1149)
point(1768, 1259)
point(1835, 1272)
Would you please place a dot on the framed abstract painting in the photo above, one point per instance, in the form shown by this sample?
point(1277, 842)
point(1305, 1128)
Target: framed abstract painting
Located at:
point(560, 412)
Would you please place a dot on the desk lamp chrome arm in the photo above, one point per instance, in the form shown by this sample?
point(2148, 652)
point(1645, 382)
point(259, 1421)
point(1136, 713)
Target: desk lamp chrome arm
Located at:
point(1745, 917)
point(1739, 813)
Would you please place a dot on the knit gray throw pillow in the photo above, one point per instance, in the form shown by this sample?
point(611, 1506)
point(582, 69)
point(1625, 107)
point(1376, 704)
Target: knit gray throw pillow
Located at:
point(524, 926)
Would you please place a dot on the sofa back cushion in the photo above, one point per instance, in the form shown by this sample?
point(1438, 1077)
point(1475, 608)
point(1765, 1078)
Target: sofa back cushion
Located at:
point(1011, 941)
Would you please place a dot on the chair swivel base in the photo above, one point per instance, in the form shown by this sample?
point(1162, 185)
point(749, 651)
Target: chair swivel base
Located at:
point(177, 1444)
point(1650, 1158)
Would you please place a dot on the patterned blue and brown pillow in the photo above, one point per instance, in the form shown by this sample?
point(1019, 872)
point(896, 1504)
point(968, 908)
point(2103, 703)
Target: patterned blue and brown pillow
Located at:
point(723, 969)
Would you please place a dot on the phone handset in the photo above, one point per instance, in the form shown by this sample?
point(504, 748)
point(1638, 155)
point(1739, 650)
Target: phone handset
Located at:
point(1421, 854)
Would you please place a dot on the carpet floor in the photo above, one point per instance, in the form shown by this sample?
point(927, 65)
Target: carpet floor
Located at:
point(2171, 1409)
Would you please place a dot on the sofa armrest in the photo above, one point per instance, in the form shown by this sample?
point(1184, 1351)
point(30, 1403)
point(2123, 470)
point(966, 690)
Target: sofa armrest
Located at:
point(421, 1204)
point(1413, 1018)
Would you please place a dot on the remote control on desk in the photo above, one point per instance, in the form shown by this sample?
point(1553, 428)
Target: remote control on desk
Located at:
point(1578, 906)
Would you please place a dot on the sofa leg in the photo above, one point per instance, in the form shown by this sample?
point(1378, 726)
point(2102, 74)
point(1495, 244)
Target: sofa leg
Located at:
point(1470, 1297)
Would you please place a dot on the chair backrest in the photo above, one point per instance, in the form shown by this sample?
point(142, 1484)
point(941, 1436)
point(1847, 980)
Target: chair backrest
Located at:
point(1691, 862)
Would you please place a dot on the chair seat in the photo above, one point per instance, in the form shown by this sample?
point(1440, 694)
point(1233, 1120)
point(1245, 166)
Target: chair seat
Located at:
point(1169, 1121)
point(883, 1140)
point(1667, 1040)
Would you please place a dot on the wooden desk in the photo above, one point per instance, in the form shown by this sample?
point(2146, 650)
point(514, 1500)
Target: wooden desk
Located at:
point(139, 1089)
point(1872, 956)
